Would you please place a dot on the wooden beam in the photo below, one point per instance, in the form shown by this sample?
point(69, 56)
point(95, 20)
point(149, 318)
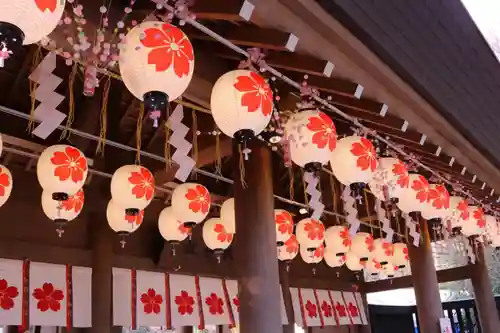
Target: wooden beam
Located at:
point(329, 84)
point(230, 10)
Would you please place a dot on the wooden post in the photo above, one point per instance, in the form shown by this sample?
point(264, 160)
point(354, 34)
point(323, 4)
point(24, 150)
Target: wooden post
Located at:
point(483, 292)
point(425, 283)
point(255, 242)
point(287, 298)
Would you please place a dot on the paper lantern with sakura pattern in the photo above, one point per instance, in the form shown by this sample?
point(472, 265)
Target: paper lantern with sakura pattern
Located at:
point(310, 233)
point(457, 214)
point(132, 188)
point(414, 198)
point(6, 183)
point(31, 20)
point(289, 250)
point(228, 215)
point(191, 203)
point(215, 235)
point(338, 239)
point(389, 179)
point(476, 224)
point(171, 229)
point(383, 251)
point(62, 212)
point(284, 225)
point(438, 204)
point(354, 160)
point(62, 170)
point(491, 225)
point(312, 257)
point(372, 267)
point(353, 262)
point(312, 137)
point(120, 222)
point(400, 257)
point(241, 103)
point(332, 259)
point(362, 246)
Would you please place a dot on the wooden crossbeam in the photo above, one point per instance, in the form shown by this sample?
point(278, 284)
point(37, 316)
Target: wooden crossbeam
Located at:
point(329, 84)
point(230, 10)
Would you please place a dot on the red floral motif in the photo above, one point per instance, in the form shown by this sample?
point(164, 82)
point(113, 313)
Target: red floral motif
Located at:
point(388, 249)
point(223, 236)
point(346, 237)
point(369, 243)
point(341, 310)
point(185, 303)
point(215, 304)
point(400, 170)
point(422, 187)
point(327, 309)
point(236, 302)
point(367, 157)
point(70, 163)
point(405, 252)
point(199, 199)
point(376, 264)
point(292, 245)
point(170, 48)
point(325, 132)
point(44, 5)
point(314, 229)
point(4, 181)
point(463, 207)
point(144, 183)
point(135, 219)
point(319, 252)
point(284, 222)
point(353, 310)
point(74, 202)
point(183, 229)
point(151, 301)
point(257, 93)
point(440, 197)
point(478, 215)
point(7, 293)
point(48, 298)
point(312, 312)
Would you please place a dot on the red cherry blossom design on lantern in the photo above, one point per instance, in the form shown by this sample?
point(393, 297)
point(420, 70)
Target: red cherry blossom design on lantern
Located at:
point(143, 182)
point(369, 243)
point(236, 302)
point(222, 235)
point(346, 237)
point(215, 304)
point(479, 217)
point(256, 93)
point(284, 222)
point(376, 264)
point(185, 303)
point(151, 301)
point(48, 298)
point(70, 163)
point(319, 251)
point(327, 309)
point(312, 312)
point(421, 186)
point(440, 197)
point(135, 219)
point(463, 207)
point(400, 170)
point(199, 199)
point(324, 131)
point(7, 294)
point(314, 229)
point(74, 202)
point(405, 252)
point(367, 157)
point(353, 310)
point(171, 48)
point(292, 245)
point(183, 229)
point(388, 249)
point(340, 310)
point(4, 181)
point(45, 5)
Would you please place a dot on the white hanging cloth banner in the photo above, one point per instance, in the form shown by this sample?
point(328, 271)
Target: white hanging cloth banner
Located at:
point(122, 297)
point(305, 308)
point(151, 308)
point(215, 301)
point(327, 308)
point(340, 308)
point(12, 291)
point(184, 301)
point(362, 310)
point(352, 307)
point(232, 291)
point(82, 296)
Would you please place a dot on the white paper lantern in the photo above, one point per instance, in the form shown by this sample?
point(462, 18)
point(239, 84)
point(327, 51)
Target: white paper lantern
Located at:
point(389, 179)
point(132, 188)
point(62, 170)
point(156, 57)
point(476, 224)
point(120, 222)
point(353, 262)
point(35, 18)
point(414, 198)
point(390, 271)
point(492, 228)
point(383, 251)
point(241, 100)
point(191, 203)
point(171, 229)
point(312, 137)
point(400, 258)
point(438, 204)
point(228, 215)
point(310, 233)
point(338, 239)
point(332, 259)
point(62, 212)
point(215, 235)
point(6, 184)
point(289, 250)
point(457, 214)
point(284, 225)
point(354, 160)
point(362, 246)
point(372, 267)
point(312, 257)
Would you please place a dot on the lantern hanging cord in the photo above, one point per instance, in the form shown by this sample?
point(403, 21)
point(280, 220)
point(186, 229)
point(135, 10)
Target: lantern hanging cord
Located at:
point(316, 98)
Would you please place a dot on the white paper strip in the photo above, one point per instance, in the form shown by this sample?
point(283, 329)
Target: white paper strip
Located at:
point(386, 223)
point(314, 201)
point(177, 139)
point(351, 211)
point(412, 226)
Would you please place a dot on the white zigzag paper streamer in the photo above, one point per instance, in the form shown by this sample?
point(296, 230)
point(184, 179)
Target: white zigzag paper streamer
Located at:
point(351, 211)
point(470, 251)
point(49, 100)
point(311, 189)
point(386, 223)
point(412, 226)
point(177, 139)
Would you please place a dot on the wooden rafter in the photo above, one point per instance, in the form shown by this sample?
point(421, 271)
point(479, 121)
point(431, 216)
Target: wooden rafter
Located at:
point(230, 10)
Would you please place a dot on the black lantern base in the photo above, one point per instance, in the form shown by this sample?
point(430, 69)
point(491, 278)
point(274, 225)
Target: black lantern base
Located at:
point(155, 104)
point(131, 211)
point(60, 196)
point(11, 39)
point(312, 167)
point(363, 259)
point(244, 135)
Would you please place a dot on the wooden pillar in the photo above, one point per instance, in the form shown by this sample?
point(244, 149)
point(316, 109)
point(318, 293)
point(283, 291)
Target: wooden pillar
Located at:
point(425, 283)
point(102, 262)
point(287, 298)
point(255, 242)
point(483, 294)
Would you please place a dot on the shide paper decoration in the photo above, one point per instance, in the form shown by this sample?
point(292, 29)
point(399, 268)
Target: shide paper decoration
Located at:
point(412, 227)
point(386, 223)
point(351, 211)
point(177, 140)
